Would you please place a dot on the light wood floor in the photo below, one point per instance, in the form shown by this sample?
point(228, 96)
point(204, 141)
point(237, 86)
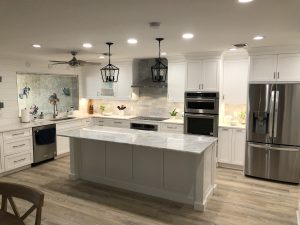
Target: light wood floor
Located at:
point(238, 201)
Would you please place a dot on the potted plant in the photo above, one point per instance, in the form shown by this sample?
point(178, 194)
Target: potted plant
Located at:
point(101, 109)
point(121, 109)
point(173, 114)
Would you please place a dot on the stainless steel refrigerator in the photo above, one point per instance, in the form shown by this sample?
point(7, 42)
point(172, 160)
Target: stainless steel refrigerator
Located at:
point(273, 132)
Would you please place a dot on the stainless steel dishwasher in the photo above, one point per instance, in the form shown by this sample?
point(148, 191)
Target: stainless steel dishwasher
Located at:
point(44, 143)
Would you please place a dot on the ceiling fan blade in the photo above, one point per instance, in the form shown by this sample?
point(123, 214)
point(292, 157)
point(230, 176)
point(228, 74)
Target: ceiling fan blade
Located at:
point(58, 61)
point(85, 63)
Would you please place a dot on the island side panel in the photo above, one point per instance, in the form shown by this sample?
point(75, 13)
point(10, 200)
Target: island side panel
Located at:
point(205, 177)
point(75, 148)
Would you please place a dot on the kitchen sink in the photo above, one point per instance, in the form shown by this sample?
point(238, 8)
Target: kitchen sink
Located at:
point(64, 118)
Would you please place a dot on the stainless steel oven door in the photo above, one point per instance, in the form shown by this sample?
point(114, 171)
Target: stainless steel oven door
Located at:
point(202, 105)
point(201, 124)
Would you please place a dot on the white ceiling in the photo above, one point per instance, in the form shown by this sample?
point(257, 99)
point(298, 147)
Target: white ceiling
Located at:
point(63, 25)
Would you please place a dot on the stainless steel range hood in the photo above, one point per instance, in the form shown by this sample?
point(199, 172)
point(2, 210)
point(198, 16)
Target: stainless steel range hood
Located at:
point(142, 76)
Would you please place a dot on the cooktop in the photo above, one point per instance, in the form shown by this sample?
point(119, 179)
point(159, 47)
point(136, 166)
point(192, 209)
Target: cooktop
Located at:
point(149, 118)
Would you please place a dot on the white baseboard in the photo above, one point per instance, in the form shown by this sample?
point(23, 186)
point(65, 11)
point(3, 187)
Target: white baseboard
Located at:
point(230, 166)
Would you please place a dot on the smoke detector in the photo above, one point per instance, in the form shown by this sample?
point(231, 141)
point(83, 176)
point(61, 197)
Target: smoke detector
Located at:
point(154, 25)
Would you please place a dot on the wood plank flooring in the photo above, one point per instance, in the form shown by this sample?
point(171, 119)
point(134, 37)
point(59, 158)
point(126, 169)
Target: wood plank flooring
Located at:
point(237, 200)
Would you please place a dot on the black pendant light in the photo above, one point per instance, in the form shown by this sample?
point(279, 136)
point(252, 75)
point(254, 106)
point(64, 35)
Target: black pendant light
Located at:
point(159, 70)
point(110, 73)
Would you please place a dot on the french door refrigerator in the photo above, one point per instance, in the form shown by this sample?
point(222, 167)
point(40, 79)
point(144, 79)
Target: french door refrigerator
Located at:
point(273, 132)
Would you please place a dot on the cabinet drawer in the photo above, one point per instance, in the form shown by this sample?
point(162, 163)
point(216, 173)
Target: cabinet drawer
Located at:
point(172, 128)
point(18, 160)
point(68, 125)
point(86, 122)
point(16, 134)
point(120, 123)
point(16, 146)
point(102, 122)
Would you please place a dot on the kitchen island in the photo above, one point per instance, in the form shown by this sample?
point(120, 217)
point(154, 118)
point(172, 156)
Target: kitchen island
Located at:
point(177, 167)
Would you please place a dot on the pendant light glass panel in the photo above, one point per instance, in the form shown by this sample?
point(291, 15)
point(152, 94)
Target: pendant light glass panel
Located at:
point(110, 73)
point(159, 69)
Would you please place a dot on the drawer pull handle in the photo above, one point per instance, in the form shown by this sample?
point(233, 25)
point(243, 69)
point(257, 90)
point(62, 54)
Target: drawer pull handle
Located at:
point(18, 146)
point(171, 127)
point(20, 160)
point(18, 134)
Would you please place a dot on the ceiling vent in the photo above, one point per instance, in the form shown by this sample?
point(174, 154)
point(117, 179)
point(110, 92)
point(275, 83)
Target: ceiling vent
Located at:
point(241, 45)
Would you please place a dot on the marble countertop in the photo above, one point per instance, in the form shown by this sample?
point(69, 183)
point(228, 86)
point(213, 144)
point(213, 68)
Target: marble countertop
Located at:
point(177, 142)
point(238, 126)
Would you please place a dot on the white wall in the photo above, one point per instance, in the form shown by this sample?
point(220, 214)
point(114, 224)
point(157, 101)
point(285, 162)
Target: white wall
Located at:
point(8, 86)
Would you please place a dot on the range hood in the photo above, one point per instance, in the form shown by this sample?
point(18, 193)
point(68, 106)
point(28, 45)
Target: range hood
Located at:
point(142, 76)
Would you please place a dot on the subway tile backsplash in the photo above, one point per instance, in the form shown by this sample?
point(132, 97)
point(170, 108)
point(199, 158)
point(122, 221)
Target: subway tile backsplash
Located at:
point(151, 102)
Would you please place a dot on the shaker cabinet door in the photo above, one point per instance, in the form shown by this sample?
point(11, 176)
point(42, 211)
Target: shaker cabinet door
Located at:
point(288, 67)
point(238, 146)
point(224, 145)
point(263, 68)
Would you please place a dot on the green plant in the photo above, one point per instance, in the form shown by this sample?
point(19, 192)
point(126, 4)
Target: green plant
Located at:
point(102, 108)
point(243, 116)
point(174, 112)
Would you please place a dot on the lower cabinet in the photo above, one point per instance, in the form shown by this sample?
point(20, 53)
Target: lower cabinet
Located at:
point(16, 149)
point(171, 128)
point(231, 146)
point(63, 143)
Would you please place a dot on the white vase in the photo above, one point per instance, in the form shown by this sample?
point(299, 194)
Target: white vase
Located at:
point(173, 117)
point(121, 112)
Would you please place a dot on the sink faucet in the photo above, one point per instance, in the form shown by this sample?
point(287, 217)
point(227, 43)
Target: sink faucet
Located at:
point(55, 112)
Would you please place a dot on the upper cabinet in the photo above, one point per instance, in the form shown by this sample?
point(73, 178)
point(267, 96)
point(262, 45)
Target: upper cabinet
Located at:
point(93, 87)
point(275, 68)
point(176, 81)
point(235, 75)
point(203, 75)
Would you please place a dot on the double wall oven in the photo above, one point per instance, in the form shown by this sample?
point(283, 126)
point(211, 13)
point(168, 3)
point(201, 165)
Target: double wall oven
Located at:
point(201, 113)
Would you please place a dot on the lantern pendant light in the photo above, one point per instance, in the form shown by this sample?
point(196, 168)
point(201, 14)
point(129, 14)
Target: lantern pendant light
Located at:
point(159, 69)
point(110, 73)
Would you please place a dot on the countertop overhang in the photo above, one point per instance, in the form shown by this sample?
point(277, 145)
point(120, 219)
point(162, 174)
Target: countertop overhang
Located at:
point(169, 141)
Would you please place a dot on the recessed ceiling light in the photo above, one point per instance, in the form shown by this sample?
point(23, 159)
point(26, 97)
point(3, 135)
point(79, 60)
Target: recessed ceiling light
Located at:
point(232, 49)
point(163, 53)
point(36, 46)
point(132, 41)
point(188, 36)
point(258, 37)
point(87, 45)
point(245, 1)
point(101, 57)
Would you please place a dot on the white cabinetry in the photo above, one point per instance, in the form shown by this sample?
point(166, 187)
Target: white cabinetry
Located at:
point(109, 122)
point(203, 75)
point(176, 81)
point(275, 68)
point(17, 148)
point(63, 143)
point(235, 73)
point(171, 128)
point(94, 88)
point(1, 154)
point(231, 146)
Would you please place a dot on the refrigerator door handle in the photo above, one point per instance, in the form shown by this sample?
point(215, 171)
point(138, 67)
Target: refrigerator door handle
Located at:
point(283, 149)
point(271, 118)
point(276, 114)
point(258, 146)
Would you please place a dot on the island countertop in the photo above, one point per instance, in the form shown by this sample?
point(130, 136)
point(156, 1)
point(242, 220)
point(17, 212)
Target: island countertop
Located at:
point(169, 141)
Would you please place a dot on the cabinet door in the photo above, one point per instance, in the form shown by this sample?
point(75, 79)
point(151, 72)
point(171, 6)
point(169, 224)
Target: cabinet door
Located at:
point(91, 81)
point(62, 145)
point(235, 73)
point(176, 82)
point(210, 73)
point(238, 146)
point(263, 68)
point(288, 67)
point(224, 145)
point(125, 81)
point(194, 76)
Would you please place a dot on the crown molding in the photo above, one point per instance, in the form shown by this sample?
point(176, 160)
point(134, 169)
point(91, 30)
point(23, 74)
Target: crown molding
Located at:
point(280, 49)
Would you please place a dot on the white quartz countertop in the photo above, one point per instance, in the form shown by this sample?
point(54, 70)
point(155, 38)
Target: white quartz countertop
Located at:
point(237, 126)
point(178, 142)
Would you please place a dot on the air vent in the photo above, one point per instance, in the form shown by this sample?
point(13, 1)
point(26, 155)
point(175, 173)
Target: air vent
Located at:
point(241, 45)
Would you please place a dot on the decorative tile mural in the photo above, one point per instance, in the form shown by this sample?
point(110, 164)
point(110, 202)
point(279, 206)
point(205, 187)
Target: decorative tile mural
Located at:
point(34, 91)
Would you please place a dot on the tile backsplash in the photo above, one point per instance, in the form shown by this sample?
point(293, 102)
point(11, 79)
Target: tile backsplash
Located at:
point(151, 102)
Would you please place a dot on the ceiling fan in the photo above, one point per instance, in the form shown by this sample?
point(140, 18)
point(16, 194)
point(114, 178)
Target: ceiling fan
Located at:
point(74, 62)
